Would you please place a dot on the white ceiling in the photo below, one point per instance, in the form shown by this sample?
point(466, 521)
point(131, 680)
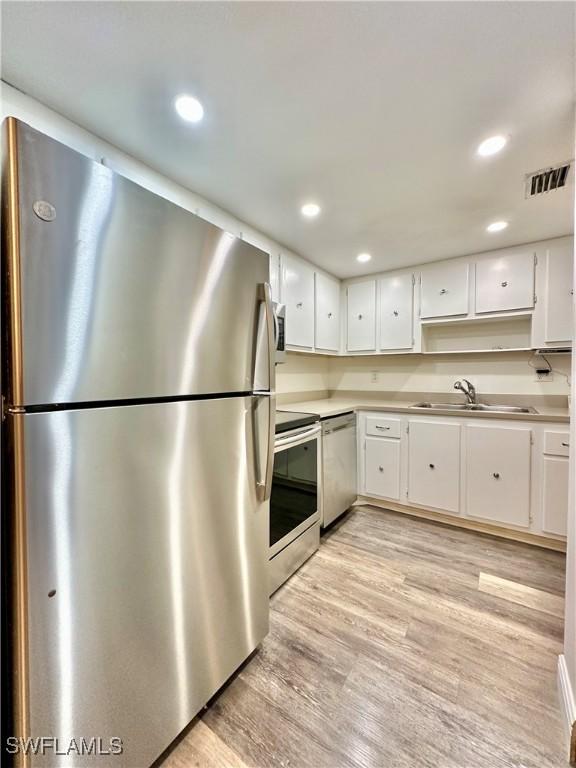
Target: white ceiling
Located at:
point(372, 109)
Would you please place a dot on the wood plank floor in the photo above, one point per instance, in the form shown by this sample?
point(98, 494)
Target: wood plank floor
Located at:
point(401, 643)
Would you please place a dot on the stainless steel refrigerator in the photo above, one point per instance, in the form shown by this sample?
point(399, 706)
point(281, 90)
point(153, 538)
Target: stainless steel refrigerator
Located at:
point(138, 404)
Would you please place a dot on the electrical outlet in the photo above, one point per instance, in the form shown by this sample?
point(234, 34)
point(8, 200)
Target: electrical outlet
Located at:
point(375, 377)
point(544, 376)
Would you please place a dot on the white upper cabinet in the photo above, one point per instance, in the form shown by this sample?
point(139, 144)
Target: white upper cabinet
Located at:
point(361, 316)
point(396, 311)
point(558, 299)
point(498, 462)
point(298, 295)
point(275, 276)
point(505, 282)
point(327, 312)
point(444, 289)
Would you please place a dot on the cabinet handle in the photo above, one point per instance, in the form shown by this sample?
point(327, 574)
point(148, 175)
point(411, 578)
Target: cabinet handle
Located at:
point(504, 284)
point(566, 445)
point(395, 313)
point(443, 291)
point(299, 305)
point(381, 469)
point(496, 475)
point(383, 428)
point(431, 466)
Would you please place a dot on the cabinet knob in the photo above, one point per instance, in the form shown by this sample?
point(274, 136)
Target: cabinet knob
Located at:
point(395, 313)
point(504, 284)
point(381, 469)
point(431, 466)
point(299, 305)
point(496, 475)
point(443, 291)
point(359, 317)
point(329, 314)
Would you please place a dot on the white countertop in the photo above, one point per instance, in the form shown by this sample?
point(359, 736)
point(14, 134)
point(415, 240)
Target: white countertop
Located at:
point(332, 406)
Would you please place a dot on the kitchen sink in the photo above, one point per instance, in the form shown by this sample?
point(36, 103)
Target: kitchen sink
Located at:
point(478, 407)
point(444, 406)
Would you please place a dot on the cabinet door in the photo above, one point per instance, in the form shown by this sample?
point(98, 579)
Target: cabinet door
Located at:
point(275, 276)
point(434, 464)
point(382, 467)
point(555, 495)
point(558, 300)
point(327, 312)
point(396, 312)
point(498, 474)
point(505, 282)
point(444, 290)
point(298, 295)
point(361, 316)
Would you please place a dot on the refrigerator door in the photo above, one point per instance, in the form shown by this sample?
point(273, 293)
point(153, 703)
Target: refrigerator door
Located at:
point(125, 294)
point(147, 567)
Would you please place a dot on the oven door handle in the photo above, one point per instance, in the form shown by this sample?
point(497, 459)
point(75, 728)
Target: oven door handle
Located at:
point(302, 436)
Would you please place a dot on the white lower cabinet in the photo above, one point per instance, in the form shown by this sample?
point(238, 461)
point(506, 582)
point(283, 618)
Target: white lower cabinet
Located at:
point(511, 474)
point(555, 495)
point(382, 467)
point(498, 474)
point(434, 464)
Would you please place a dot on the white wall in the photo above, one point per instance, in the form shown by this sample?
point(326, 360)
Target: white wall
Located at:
point(16, 104)
point(302, 373)
point(499, 373)
point(570, 599)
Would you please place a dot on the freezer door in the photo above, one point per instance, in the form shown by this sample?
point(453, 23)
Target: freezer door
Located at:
point(147, 568)
point(125, 294)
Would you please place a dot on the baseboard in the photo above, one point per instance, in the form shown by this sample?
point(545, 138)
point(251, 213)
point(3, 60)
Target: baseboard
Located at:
point(558, 545)
point(567, 706)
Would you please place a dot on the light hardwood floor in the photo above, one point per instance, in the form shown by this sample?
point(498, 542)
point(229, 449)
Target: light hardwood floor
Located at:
point(402, 643)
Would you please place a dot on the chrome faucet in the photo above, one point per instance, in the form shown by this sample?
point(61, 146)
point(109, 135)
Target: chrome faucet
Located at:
point(469, 391)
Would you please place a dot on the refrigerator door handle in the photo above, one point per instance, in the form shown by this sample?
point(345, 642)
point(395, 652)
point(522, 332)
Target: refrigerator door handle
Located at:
point(265, 388)
point(264, 371)
point(264, 473)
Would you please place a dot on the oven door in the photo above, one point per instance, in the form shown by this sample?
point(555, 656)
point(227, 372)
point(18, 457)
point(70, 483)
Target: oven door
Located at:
point(294, 503)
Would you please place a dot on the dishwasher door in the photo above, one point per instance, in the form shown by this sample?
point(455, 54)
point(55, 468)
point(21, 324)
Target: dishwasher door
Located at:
point(339, 484)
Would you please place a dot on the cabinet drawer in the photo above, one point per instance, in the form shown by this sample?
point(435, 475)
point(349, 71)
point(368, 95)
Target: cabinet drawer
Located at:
point(556, 443)
point(382, 468)
point(382, 426)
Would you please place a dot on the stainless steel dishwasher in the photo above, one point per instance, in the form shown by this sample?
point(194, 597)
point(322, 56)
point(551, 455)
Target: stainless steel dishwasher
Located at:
point(339, 484)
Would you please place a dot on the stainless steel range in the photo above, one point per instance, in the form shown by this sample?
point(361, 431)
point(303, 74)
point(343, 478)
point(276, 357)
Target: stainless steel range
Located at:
point(295, 498)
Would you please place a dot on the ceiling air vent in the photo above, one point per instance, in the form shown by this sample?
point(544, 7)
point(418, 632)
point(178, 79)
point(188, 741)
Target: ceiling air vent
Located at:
point(547, 179)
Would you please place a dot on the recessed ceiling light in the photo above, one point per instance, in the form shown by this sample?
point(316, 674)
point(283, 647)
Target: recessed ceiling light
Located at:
point(189, 109)
point(363, 257)
point(310, 210)
point(496, 226)
point(492, 145)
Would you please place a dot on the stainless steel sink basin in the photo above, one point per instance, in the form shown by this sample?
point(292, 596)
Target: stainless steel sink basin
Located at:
point(502, 408)
point(478, 407)
point(444, 406)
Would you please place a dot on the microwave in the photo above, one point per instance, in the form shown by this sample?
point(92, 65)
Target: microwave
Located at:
point(280, 330)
